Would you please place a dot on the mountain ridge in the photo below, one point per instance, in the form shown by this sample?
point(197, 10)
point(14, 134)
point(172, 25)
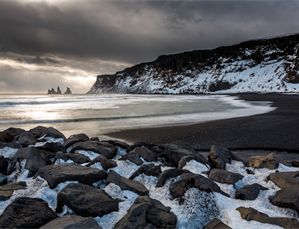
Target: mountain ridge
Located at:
point(260, 65)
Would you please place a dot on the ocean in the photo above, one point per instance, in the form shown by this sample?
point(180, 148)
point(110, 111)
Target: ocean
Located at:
point(98, 114)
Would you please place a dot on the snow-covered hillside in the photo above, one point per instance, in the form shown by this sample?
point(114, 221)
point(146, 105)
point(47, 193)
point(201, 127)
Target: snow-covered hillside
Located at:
point(262, 65)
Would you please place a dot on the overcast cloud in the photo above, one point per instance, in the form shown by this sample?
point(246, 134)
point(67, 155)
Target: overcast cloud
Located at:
point(45, 44)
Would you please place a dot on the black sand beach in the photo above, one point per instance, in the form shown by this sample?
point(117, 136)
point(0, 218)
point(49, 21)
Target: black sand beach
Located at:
point(274, 131)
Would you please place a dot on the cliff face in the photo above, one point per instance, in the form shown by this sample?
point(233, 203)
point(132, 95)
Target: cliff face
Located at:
point(261, 65)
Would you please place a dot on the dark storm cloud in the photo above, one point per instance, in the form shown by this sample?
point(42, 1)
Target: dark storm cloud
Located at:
point(72, 38)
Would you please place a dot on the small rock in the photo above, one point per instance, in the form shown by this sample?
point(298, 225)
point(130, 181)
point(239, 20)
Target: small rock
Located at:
point(138, 152)
point(219, 156)
point(249, 192)
point(7, 190)
point(140, 144)
point(26, 212)
point(126, 184)
point(75, 157)
point(252, 214)
point(106, 163)
point(249, 171)
point(270, 161)
point(223, 176)
point(118, 143)
point(295, 163)
point(86, 200)
point(131, 157)
point(53, 147)
point(166, 174)
point(56, 174)
point(72, 221)
point(41, 131)
point(216, 224)
point(74, 139)
point(3, 165)
point(197, 157)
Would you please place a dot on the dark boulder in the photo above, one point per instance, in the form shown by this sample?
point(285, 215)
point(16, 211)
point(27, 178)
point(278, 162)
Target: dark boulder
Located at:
point(189, 180)
point(56, 174)
point(7, 190)
point(34, 160)
point(41, 131)
point(11, 133)
point(140, 144)
point(169, 173)
point(197, 157)
point(285, 179)
point(118, 143)
point(219, 156)
point(138, 152)
point(216, 224)
point(86, 200)
point(106, 163)
point(53, 147)
point(72, 221)
point(126, 184)
point(3, 165)
point(249, 192)
point(10, 145)
point(270, 161)
point(295, 163)
point(287, 198)
point(252, 214)
point(223, 176)
point(148, 213)
point(26, 139)
point(147, 169)
point(26, 212)
point(103, 148)
point(1, 139)
point(75, 157)
point(74, 139)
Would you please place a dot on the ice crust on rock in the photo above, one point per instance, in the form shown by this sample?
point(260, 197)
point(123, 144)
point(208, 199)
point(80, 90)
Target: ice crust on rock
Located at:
point(196, 167)
point(8, 152)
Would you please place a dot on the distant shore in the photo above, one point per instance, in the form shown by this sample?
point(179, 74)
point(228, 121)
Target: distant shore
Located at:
point(276, 130)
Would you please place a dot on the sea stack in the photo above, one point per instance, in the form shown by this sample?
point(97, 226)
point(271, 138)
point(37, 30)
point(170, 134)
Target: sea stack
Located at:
point(68, 91)
point(58, 91)
point(53, 92)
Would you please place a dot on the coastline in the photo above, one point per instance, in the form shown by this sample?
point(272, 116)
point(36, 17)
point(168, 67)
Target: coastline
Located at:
point(276, 130)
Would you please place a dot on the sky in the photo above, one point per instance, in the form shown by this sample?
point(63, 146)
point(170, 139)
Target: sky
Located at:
point(67, 43)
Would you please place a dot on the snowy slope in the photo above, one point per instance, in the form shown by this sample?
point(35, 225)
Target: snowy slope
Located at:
point(263, 65)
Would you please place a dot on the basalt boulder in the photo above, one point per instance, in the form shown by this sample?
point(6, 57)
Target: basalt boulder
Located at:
point(220, 156)
point(53, 147)
point(3, 165)
point(295, 163)
point(140, 144)
point(75, 157)
point(10, 145)
point(223, 176)
point(86, 200)
point(11, 133)
point(252, 214)
point(41, 131)
point(287, 198)
point(138, 152)
point(26, 139)
point(197, 157)
point(7, 190)
point(216, 224)
point(26, 212)
point(189, 180)
point(147, 169)
point(56, 174)
point(126, 184)
point(35, 159)
point(270, 161)
point(72, 221)
point(103, 148)
point(74, 139)
point(106, 163)
point(169, 173)
point(285, 179)
point(118, 143)
point(148, 213)
point(249, 192)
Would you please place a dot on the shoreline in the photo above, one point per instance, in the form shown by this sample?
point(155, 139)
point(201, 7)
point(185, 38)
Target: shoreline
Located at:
point(276, 130)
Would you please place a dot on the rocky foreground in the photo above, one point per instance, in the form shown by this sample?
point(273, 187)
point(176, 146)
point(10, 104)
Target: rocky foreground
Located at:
point(48, 181)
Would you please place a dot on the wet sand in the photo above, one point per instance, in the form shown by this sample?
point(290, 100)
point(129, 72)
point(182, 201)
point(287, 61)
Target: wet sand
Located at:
point(277, 130)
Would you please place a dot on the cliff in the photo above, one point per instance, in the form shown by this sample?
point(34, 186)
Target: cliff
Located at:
point(259, 65)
